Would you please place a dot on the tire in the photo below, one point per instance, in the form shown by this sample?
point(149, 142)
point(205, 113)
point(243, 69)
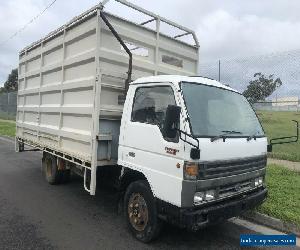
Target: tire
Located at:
point(52, 174)
point(20, 147)
point(66, 176)
point(140, 211)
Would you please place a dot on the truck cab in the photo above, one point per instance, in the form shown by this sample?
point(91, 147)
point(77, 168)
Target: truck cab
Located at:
point(198, 144)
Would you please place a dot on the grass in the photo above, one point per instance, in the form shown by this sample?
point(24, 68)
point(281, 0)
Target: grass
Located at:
point(283, 200)
point(7, 128)
point(278, 124)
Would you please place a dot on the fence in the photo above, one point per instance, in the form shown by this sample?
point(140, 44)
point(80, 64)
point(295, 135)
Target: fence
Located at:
point(277, 106)
point(237, 73)
point(276, 114)
point(8, 105)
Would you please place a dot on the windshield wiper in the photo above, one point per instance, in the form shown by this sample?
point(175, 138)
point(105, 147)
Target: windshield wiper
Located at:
point(226, 132)
point(250, 137)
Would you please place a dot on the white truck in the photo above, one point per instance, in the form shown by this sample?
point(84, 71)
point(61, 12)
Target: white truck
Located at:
point(183, 149)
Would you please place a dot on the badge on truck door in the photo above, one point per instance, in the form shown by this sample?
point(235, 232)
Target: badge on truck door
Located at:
point(171, 151)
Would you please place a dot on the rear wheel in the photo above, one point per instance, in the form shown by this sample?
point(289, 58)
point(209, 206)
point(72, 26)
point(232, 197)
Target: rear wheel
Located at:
point(140, 211)
point(55, 169)
point(66, 176)
point(20, 146)
point(50, 169)
point(62, 168)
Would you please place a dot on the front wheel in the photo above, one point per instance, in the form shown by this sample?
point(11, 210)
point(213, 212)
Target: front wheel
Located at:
point(140, 211)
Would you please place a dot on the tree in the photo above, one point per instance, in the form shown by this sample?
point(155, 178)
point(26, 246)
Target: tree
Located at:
point(11, 83)
point(261, 87)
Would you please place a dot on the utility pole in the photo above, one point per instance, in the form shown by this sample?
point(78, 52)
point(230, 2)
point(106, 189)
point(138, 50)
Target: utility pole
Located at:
point(219, 70)
point(7, 105)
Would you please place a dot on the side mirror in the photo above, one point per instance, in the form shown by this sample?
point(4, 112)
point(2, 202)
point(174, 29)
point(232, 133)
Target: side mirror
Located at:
point(285, 139)
point(269, 148)
point(195, 153)
point(171, 122)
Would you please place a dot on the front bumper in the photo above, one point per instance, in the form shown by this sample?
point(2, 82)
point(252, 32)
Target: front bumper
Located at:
point(199, 217)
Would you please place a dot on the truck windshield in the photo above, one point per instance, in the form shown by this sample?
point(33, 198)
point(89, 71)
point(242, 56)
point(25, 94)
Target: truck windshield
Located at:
point(213, 110)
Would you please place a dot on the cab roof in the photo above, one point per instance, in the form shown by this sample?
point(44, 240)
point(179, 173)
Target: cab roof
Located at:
point(176, 79)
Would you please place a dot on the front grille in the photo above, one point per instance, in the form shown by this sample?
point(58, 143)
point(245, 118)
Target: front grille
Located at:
point(216, 169)
point(232, 189)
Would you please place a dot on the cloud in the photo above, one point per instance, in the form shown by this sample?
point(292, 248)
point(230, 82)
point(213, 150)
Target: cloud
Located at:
point(226, 29)
point(238, 72)
point(225, 36)
point(14, 14)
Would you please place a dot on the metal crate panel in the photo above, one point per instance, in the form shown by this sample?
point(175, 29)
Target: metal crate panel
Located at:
point(71, 83)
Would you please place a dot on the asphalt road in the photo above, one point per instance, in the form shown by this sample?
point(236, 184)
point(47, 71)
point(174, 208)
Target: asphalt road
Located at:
point(36, 215)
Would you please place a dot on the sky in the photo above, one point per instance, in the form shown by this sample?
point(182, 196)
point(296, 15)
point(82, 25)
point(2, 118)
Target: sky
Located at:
point(233, 31)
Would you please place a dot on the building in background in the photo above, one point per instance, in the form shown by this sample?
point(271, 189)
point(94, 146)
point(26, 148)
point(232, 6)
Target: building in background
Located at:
point(285, 101)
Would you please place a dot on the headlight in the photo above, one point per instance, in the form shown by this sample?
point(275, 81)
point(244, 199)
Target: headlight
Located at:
point(199, 197)
point(204, 196)
point(191, 170)
point(210, 195)
point(258, 181)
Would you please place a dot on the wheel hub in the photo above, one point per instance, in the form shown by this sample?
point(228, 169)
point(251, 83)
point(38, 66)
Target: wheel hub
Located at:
point(138, 211)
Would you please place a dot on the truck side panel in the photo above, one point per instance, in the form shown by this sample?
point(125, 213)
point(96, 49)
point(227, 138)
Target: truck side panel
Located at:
point(56, 94)
point(60, 75)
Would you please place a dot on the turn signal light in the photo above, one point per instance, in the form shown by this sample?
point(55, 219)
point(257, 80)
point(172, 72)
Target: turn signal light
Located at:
point(191, 170)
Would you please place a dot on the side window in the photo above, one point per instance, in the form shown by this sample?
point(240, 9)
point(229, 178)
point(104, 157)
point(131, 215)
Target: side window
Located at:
point(150, 104)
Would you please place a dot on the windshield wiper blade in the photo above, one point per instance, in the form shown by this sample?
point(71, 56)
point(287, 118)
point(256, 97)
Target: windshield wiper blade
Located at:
point(226, 132)
point(250, 137)
point(231, 131)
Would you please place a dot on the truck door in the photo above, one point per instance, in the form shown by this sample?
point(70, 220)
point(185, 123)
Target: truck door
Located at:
point(145, 149)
